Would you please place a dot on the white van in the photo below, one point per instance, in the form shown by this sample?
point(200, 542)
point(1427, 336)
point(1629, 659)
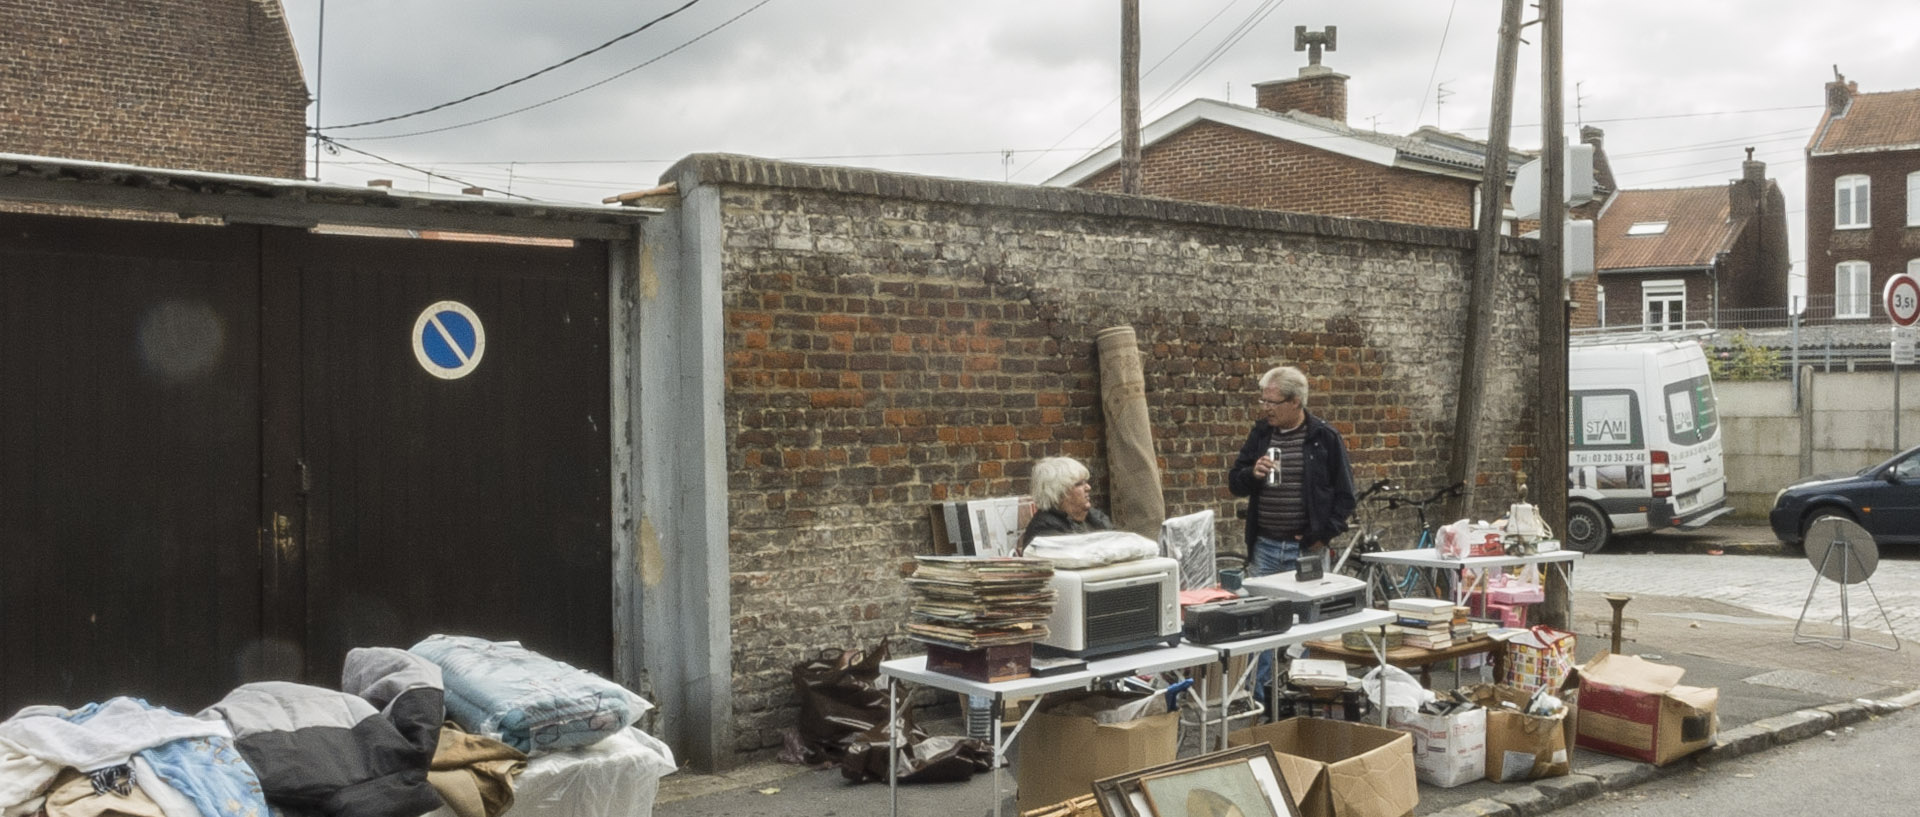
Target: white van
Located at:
point(1643, 439)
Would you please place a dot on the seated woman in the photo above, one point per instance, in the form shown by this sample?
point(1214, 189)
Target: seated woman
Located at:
point(1062, 500)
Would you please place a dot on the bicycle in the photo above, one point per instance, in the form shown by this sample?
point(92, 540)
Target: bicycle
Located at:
point(1364, 539)
point(1414, 583)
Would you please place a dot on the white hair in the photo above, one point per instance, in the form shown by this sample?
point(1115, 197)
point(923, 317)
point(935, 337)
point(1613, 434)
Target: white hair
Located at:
point(1051, 479)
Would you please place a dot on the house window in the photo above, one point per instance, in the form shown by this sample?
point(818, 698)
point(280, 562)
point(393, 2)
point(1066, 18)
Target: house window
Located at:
point(1850, 202)
point(1663, 304)
point(1647, 228)
point(1913, 199)
point(1851, 298)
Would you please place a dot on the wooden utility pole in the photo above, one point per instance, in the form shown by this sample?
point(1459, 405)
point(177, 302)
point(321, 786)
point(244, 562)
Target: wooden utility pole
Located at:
point(1130, 96)
point(1464, 465)
point(1551, 450)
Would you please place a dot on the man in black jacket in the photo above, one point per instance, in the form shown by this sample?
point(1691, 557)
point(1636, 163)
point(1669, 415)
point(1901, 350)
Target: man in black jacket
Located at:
point(1293, 470)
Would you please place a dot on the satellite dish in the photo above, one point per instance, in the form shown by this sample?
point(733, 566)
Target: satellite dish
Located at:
point(1860, 556)
point(1845, 553)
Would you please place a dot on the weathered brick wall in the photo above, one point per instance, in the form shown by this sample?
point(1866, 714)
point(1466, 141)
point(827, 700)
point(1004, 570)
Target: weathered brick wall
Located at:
point(1626, 307)
point(193, 84)
point(894, 340)
point(1220, 163)
point(1320, 95)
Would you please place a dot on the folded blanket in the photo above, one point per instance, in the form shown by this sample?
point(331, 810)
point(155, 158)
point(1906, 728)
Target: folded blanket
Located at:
point(527, 700)
point(328, 752)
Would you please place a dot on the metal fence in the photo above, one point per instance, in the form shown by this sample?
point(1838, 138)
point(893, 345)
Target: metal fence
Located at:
point(1858, 338)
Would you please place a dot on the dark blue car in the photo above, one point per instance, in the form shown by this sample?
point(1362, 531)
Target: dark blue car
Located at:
point(1884, 499)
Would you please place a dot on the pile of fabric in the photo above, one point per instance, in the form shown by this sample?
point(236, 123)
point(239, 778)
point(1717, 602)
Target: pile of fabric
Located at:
point(388, 744)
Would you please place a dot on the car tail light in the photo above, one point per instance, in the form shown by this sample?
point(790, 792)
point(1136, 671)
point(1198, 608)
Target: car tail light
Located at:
point(1662, 475)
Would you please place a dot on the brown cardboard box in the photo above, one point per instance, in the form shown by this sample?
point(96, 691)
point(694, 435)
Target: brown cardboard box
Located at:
point(1341, 769)
point(1638, 709)
point(1522, 746)
point(1061, 755)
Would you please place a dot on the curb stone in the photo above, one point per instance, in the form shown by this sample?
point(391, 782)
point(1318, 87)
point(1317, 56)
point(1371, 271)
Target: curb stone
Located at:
point(1800, 725)
point(1567, 790)
point(1615, 775)
point(1482, 807)
point(1525, 801)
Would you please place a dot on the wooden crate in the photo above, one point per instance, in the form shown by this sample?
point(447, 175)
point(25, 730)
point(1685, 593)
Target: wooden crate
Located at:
point(986, 664)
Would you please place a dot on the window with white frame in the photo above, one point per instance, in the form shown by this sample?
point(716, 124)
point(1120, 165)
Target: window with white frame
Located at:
point(1850, 202)
point(1913, 199)
point(1663, 304)
point(1851, 285)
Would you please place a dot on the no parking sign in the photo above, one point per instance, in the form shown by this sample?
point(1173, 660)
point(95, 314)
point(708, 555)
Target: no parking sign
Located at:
point(449, 340)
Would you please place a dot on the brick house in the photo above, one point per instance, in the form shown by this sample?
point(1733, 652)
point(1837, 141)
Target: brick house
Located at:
point(192, 84)
point(1668, 256)
point(1861, 229)
point(1294, 151)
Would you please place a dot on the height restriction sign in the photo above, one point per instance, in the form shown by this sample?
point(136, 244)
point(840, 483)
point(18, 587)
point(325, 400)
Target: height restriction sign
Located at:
point(1902, 297)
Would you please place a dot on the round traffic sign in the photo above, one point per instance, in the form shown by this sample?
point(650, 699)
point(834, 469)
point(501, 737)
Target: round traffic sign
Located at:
point(1902, 296)
point(448, 340)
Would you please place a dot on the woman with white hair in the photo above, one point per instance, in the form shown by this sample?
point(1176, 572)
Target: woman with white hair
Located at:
point(1062, 501)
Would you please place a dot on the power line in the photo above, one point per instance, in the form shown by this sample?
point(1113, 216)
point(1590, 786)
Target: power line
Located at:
point(668, 53)
point(422, 171)
point(1436, 68)
point(510, 83)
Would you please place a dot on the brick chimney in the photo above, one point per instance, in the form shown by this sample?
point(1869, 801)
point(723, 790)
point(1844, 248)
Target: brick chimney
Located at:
point(1748, 195)
point(1840, 94)
point(1318, 90)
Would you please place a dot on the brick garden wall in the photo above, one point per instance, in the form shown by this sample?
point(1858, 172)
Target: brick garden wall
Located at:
point(895, 340)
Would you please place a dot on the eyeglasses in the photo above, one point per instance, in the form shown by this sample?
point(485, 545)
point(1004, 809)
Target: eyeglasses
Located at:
point(1276, 403)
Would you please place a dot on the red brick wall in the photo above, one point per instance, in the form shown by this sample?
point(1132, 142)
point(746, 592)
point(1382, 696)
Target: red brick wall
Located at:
point(1321, 95)
point(1888, 245)
point(191, 84)
point(1218, 163)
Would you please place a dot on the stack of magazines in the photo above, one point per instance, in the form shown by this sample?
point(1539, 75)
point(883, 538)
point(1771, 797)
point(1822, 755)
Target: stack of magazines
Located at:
point(969, 602)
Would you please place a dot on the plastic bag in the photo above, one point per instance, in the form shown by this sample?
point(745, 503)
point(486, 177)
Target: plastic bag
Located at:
point(1394, 688)
point(1079, 551)
point(842, 701)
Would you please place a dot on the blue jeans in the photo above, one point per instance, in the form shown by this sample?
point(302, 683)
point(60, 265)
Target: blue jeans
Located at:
point(1270, 556)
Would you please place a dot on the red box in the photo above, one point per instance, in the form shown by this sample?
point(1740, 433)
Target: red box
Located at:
point(989, 665)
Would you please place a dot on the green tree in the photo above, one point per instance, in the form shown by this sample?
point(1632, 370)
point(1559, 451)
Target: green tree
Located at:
point(1743, 360)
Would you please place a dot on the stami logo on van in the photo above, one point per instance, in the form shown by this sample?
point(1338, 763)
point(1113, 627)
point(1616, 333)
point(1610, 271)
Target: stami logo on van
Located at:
point(1606, 419)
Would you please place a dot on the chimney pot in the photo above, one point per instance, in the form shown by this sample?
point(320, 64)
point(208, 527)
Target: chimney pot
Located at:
point(387, 183)
point(474, 191)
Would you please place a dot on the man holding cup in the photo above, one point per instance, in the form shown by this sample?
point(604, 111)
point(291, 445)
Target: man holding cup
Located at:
point(1293, 470)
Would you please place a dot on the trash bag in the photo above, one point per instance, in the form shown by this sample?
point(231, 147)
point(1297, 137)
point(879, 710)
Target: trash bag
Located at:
point(946, 759)
point(842, 701)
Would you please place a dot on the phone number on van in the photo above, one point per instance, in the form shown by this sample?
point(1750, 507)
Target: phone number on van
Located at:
point(1607, 458)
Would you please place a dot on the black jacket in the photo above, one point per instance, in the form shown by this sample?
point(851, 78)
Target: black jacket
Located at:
point(1328, 480)
point(1054, 522)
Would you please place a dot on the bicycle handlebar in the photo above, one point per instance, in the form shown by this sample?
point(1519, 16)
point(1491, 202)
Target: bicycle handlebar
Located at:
point(1376, 487)
point(1456, 489)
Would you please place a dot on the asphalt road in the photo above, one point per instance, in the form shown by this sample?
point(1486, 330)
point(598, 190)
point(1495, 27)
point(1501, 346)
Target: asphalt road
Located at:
point(1857, 770)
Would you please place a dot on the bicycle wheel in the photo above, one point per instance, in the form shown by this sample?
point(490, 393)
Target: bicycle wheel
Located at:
point(1416, 584)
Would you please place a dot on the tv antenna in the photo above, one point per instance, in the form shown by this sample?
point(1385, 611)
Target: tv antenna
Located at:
point(1843, 552)
point(1440, 94)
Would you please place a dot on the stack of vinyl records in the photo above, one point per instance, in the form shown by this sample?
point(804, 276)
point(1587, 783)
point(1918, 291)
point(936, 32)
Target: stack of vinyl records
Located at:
point(969, 602)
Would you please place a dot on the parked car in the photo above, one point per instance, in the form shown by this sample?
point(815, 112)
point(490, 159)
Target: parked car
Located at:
point(1884, 499)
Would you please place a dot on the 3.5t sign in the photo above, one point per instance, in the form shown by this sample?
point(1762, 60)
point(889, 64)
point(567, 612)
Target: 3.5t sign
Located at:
point(1902, 296)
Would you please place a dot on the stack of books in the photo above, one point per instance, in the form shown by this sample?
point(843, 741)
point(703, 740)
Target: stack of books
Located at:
point(1424, 623)
point(970, 602)
point(1462, 624)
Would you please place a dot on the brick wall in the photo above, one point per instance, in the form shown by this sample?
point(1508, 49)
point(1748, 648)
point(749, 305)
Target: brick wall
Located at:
point(1323, 94)
point(895, 340)
point(1625, 305)
point(1219, 163)
point(193, 84)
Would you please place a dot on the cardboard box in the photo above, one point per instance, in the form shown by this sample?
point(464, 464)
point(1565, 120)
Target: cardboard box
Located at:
point(1340, 769)
point(1448, 750)
point(1638, 709)
point(1061, 755)
point(1522, 746)
point(986, 664)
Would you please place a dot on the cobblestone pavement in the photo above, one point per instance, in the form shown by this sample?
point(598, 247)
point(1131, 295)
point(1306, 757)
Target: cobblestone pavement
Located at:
point(1776, 585)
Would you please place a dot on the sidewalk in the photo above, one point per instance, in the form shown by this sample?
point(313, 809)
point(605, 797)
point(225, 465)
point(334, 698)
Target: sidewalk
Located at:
point(1772, 691)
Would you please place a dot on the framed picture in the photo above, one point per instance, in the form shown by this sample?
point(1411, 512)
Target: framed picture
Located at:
point(1222, 775)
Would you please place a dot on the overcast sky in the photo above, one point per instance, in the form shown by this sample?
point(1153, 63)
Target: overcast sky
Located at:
point(1019, 89)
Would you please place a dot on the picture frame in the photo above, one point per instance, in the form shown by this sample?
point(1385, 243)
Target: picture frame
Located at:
point(1124, 796)
point(1225, 789)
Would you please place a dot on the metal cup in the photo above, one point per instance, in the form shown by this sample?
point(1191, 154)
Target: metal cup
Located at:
point(1273, 476)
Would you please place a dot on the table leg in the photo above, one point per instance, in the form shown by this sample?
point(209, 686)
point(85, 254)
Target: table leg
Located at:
point(998, 758)
point(893, 748)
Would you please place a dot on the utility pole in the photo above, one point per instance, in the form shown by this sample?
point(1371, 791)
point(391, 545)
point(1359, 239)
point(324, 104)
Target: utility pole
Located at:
point(1464, 464)
point(1551, 450)
point(1130, 97)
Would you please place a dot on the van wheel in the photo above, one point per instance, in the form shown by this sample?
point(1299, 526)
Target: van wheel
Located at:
point(1586, 528)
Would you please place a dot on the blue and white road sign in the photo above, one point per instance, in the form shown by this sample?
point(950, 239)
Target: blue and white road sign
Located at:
point(448, 340)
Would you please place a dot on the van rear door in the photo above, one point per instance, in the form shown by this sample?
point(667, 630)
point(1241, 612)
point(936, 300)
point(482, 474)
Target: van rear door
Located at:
point(1690, 416)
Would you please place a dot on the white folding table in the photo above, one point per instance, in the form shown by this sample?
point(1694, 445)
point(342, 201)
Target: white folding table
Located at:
point(1297, 634)
point(1430, 560)
point(914, 669)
